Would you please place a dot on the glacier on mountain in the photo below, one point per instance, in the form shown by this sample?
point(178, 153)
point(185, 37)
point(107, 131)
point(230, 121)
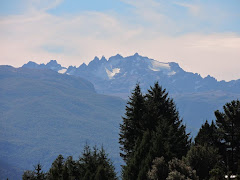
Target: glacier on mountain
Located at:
point(118, 75)
point(62, 71)
point(112, 73)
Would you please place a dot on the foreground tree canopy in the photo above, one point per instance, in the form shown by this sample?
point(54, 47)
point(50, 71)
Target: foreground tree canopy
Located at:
point(154, 143)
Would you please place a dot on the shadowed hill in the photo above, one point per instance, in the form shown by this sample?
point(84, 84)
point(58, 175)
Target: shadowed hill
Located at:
point(44, 114)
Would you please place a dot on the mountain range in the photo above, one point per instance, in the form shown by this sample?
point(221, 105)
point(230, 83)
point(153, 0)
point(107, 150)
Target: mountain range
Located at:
point(118, 75)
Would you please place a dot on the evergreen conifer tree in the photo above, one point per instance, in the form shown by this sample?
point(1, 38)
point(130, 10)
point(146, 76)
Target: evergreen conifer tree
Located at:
point(86, 161)
point(158, 105)
point(28, 175)
point(70, 171)
point(56, 170)
point(228, 123)
point(203, 158)
point(36, 174)
point(88, 175)
point(106, 165)
point(100, 174)
point(137, 162)
point(164, 134)
point(39, 173)
point(132, 127)
point(207, 134)
point(95, 164)
point(170, 137)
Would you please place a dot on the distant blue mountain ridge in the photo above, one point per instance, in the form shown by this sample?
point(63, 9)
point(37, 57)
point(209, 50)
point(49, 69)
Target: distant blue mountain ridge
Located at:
point(118, 75)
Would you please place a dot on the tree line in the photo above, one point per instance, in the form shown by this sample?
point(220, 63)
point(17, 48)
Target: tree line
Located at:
point(154, 145)
point(93, 164)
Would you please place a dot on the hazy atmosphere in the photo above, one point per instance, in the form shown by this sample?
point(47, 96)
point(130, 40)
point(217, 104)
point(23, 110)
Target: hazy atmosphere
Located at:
point(202, 36)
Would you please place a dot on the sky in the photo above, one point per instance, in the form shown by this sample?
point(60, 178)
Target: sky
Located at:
point(202, 36)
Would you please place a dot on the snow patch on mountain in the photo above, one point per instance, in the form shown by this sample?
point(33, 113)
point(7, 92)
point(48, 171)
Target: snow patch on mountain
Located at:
point(158, 66)
point(112, 73)
point(171, 73)
point(62, 71)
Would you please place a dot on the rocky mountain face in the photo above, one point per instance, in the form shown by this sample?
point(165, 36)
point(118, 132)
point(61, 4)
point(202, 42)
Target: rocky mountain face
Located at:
point(118, 76)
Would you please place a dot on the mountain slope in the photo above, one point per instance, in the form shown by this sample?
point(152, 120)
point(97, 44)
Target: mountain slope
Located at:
point(44, 114)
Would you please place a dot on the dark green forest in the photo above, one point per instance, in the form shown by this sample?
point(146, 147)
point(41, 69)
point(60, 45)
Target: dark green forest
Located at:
point(154, 145)
point(92, 164)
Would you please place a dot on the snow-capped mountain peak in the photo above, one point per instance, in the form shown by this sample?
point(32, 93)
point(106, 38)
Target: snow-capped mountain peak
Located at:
point(119, 75)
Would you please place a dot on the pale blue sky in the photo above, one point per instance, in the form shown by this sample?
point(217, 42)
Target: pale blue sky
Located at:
point(213, 15)
point(198, 34)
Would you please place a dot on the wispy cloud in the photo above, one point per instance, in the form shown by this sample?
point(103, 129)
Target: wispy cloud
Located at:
point(193, 9)
point(143, 3)
point(41, 5)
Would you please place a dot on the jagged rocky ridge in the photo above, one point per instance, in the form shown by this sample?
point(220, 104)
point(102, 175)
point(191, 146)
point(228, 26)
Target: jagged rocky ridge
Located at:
point(118, 75)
